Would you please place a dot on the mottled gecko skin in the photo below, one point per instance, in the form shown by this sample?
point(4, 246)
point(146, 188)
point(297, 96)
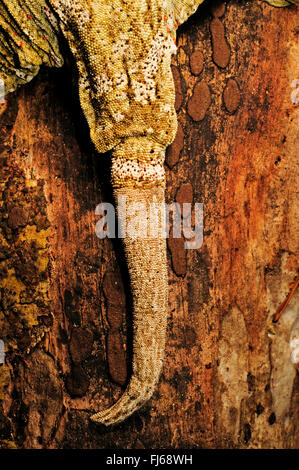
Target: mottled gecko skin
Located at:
point(123, 50)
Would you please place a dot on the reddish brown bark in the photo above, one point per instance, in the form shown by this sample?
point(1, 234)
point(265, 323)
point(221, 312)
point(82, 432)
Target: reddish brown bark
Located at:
point(65, 298)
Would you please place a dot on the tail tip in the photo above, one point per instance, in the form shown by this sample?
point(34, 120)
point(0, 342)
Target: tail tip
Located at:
point(97, 418)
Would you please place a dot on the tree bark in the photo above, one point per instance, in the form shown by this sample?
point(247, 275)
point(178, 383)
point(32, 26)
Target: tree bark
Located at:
point(227, 379)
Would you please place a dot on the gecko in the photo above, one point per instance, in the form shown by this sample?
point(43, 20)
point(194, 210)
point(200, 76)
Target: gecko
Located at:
point(123, 51)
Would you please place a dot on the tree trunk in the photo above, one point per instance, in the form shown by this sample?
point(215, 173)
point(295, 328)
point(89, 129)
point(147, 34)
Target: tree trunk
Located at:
point(65, 304)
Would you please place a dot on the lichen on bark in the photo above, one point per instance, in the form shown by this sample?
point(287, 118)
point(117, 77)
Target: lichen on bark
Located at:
point(25, 313)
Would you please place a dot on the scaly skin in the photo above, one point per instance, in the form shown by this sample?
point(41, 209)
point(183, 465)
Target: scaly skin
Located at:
point(146, 258)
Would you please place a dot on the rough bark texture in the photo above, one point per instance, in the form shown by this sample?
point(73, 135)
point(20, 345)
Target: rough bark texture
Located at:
point(227, 380)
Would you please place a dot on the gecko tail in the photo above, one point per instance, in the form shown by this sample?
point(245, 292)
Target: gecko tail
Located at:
point(132, 400)
point(147, 267)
